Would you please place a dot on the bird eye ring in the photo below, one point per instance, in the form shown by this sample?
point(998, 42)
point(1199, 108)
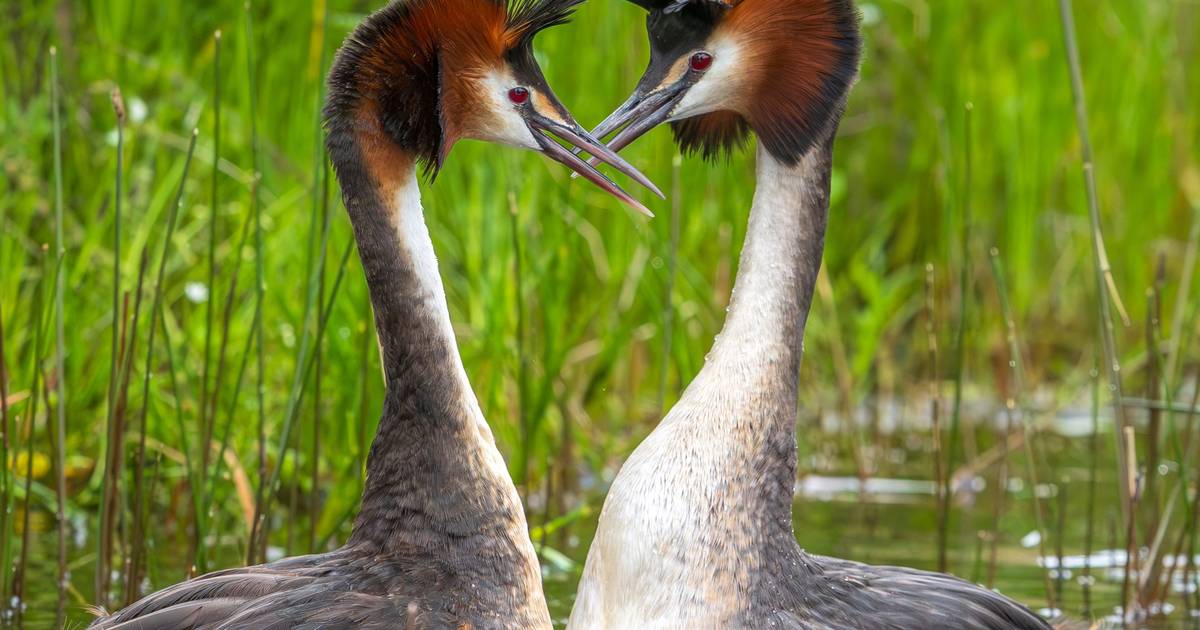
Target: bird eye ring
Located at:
point(700, 61)
point(518, 95)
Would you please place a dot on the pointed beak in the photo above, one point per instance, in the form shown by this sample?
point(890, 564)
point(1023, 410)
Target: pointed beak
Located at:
point(542, 127)
point(641, 113)
point(638, 115)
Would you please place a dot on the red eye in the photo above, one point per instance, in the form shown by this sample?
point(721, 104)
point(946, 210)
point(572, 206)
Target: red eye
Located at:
point(701, 61)
point(518, 95)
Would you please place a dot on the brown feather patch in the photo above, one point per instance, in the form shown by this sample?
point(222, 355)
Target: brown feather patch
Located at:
point(801, 57)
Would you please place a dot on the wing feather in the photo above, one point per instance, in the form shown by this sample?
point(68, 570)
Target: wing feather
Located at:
point(184, 616)
point(227, 586)
point(897, 597)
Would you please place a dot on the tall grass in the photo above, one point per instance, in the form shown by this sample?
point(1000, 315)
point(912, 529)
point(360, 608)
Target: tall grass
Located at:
point(612, 309)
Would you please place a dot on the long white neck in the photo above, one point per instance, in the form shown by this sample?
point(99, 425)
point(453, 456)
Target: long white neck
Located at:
point(700, 513)
point(744, 399)
point(749, 381)
point(780, 259)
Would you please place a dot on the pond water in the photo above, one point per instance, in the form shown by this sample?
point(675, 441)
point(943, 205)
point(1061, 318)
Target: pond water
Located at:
point(892, 520)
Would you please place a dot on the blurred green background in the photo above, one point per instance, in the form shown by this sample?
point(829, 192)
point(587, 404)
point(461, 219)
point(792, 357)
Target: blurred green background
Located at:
point(579, 322)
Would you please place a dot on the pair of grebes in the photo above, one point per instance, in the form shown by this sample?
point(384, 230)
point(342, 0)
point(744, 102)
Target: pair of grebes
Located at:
point(696, 531)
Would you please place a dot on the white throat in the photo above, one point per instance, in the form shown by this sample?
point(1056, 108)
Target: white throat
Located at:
point(684, 520)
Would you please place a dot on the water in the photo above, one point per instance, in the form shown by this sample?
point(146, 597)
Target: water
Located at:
point(894, 530)
point(892, 519)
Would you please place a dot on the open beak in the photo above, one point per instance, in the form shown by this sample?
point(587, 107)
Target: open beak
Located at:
point(641, 113)
point(542, 127)
point(638, 115)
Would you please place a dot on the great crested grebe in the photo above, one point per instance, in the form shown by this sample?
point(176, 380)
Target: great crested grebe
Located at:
point(696, 531)
point(441, 539)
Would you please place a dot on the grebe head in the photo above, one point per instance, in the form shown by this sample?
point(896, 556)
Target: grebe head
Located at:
point(420, 75)
point(722, 68)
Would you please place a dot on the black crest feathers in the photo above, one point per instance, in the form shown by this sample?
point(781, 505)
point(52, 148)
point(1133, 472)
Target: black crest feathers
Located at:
point(527, 18)
point(674, 6)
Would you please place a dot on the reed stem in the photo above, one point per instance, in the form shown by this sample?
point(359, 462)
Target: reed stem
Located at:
point(129, 349)
point(960, 343)
point(1001, 493)
point(1182, 300)
point(227, 317)
point(253, 553)
point(304, 367)
point(1059, 534)
point(1106, 291)
point(156, 309)
point(522, 360)
point(231, 413)
point(112, 460)
point(60, 381)
point(321, 173)
point(314, 505)
point(289, 421)
point(1093, 463)
point(6, 480)
point(21, 570)
point(1130, 481)
point(206, 417)
point(1154, 389)
point(1013, 404)
point(198, 519)
point(940, 478)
